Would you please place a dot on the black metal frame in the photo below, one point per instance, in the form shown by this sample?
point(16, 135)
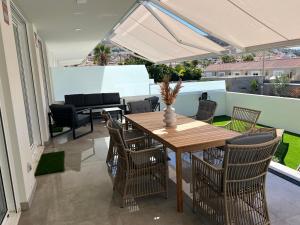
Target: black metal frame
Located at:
point(157, 106)
point(72, 127)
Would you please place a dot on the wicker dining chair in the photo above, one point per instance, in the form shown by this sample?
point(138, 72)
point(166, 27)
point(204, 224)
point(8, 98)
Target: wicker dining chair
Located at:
point(135, 139)
point(235, 193)
point(154, 103)
point(243, 120)
point(139, 173)
point(141, 106)
point(206, 111)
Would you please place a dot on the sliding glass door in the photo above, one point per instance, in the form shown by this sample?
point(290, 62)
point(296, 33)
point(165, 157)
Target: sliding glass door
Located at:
point(22, 47)
point(3, 205)
point(7, 199)
point(42, 61)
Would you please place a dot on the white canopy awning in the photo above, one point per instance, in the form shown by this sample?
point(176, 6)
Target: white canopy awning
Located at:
point(167, 30)
point(245, 24)
point(159, 38)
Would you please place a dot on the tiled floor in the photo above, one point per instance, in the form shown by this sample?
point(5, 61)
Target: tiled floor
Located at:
point(83, 195)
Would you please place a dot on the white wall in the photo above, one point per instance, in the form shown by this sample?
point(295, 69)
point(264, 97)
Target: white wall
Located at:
point(195, 86)
point(127, 80)
point(187, 103)
point(13, 111)
point(276, 111)
point(22, 156)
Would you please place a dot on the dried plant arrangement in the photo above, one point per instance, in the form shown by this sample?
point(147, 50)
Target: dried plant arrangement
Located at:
point(169, 94)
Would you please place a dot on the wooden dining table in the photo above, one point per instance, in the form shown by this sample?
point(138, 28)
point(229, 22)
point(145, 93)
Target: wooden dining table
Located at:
point(188, 135)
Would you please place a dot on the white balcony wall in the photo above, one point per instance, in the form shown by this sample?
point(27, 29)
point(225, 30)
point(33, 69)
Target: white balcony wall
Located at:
point(195, 86)
point(187, 103)
point(130, 80)
point(277, 112)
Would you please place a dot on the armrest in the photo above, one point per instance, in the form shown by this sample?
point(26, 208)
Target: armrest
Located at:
point(209, 120)
point(227, 125)
point(201, 164)
point(147, 158)
point(82, 110)
point(137, 143)
point(206, 173)
point(154, 150)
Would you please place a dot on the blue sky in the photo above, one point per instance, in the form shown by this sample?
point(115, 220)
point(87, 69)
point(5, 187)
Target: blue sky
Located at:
point(180, 20)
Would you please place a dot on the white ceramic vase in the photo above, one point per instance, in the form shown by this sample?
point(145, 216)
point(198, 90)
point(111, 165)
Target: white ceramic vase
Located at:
point(170, 116)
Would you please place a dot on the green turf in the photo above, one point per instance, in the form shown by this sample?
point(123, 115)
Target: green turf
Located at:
point(57, 129)
point(292, 158)
point(51, 163)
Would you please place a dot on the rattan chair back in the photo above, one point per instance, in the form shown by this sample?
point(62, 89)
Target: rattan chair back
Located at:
point(243, 119)
point(117, 139)
point(245, 170)
point(206, 110)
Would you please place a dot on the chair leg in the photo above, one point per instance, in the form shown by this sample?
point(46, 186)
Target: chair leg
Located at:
point(74, 133)
point(51, 131)
point(91, 120)
point(50, 125)
point(92, 125)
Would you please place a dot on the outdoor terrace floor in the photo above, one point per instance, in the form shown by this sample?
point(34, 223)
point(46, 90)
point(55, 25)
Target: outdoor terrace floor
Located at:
point(83, 194)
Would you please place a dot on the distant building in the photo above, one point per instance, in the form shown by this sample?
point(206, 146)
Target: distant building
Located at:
point(272, 68)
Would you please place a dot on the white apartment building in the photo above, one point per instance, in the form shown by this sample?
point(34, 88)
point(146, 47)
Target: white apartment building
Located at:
point(270, 68)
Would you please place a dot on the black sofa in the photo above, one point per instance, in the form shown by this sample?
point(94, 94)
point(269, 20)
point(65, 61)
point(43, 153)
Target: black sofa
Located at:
point(95, 101)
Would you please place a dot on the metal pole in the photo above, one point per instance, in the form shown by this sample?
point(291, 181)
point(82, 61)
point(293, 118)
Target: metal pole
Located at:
point(263, 71)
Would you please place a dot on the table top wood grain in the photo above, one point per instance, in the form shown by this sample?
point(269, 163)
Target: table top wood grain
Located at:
point(188, 135)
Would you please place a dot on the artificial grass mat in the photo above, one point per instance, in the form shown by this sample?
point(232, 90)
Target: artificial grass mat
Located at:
point(53, 162)
point(290, 147)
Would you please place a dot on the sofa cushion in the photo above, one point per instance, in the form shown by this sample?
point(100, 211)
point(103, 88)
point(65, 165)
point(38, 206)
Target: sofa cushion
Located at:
point(111, 98)
point(76, 100)
point(252, 139)
point(93, 99)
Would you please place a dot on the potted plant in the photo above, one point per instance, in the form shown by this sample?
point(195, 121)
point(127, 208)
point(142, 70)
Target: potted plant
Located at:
point(169, 95)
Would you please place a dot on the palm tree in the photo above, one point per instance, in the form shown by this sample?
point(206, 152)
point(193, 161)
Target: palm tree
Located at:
point(101, 54)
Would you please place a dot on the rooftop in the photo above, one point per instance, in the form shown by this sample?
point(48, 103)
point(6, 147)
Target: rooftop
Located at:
point(255, 65)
